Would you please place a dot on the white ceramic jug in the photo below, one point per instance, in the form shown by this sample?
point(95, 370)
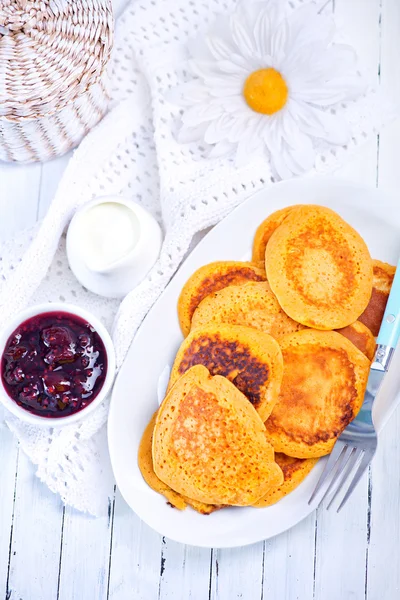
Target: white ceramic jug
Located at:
point(113, 277)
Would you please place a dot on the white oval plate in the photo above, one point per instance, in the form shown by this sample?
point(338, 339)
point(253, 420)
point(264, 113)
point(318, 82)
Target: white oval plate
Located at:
point(134, 398)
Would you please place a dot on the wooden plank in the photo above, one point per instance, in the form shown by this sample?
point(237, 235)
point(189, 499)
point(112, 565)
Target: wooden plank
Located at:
point(185, 572)
point(51, 175)
point(341, 548)
point(9, 463)
point(86, 545)
point(289, 563)
point(136, 565)
point(383, 551)
point(237, 573)
point(36, 538)
point(86, 555)
point(19, 190)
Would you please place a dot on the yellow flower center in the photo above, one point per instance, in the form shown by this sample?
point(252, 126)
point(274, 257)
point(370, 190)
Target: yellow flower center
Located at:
point(265, 91)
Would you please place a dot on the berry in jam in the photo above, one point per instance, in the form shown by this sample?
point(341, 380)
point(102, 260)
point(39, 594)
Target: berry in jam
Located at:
point(54, 364)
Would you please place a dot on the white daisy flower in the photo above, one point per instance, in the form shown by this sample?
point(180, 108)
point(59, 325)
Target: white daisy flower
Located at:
point(266, 82)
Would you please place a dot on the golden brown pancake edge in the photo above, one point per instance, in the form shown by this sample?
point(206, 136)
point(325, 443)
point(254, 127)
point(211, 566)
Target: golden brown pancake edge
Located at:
point(294, 470)
point(211, 278)
point(319, 268)
point(145, 463)
point(265, 231)
point(251, 359)
point(361, 337)
point(383, 275)
point(252, 304)
point(210, 444)
point(322, 390)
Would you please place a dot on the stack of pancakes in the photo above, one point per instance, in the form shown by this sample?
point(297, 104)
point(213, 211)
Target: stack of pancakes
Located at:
point(273, 367)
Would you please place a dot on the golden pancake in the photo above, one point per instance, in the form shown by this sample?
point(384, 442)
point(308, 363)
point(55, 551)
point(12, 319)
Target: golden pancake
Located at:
point(252, 304)
point(210, 444)
point(265, 230)
point(319, 268)
point(251, 359)
point(381, 285)
point(209, 279)
point(323, 386)
point(145, 462)
point(361, 337)
point(294, 470)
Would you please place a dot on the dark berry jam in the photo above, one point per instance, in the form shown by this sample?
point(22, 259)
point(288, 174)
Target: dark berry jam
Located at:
point(54, 364)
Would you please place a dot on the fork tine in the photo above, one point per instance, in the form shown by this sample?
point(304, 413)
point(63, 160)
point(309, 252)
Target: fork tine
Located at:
point(345, 472)
point(333, 459)
point(339, 468)
point(366, 459)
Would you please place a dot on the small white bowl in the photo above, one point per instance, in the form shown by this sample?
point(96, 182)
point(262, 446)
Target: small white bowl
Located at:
point(121, 276)
point(33, 311)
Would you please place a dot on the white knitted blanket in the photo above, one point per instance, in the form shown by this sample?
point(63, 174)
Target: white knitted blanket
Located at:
point(133, 152)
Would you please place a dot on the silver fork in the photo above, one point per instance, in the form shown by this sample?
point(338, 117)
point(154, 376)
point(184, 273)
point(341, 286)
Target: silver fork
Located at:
point(357, 444)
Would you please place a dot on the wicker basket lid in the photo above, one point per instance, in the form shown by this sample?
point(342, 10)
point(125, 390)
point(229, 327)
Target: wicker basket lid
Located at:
point(51, 52)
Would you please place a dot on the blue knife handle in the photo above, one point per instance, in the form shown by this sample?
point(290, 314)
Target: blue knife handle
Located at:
point(389, 332)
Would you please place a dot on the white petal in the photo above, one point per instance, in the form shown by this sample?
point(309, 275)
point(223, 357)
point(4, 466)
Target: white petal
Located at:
point(263, 33)
point(219, 129)
point(289, 123)
point(289, 155)
point(226, 91)
point(307, 24)
point(191, 134)
point(241, 36)
point(188, 94)
point(251, 143)
point(301, 151)
point(321, 124)
point(244, 155)
point(331, 93)
point(201, 113)
point(238, 129)
point(249, 11)
point(241, 155)
point(273, 134)
point(301, 65)
point(219, 48)
point(280, 164)
point(236, 105)
point(316, 64)
point(233, 104)
point(198, 48)
point(221, 29)
point(204, 69)
point(340, 59)
point(212, 75)
point(221, 149)
point(279, 41)
point(229, 66)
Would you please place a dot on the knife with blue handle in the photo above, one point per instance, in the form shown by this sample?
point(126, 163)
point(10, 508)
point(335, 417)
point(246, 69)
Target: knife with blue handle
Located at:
point(389, 332)
point(388, 337)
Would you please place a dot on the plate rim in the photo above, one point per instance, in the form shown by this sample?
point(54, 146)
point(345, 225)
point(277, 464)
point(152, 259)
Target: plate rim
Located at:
point(386, 199)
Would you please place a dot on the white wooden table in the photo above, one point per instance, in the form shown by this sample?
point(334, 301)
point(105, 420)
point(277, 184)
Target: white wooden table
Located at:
point(48, 552)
